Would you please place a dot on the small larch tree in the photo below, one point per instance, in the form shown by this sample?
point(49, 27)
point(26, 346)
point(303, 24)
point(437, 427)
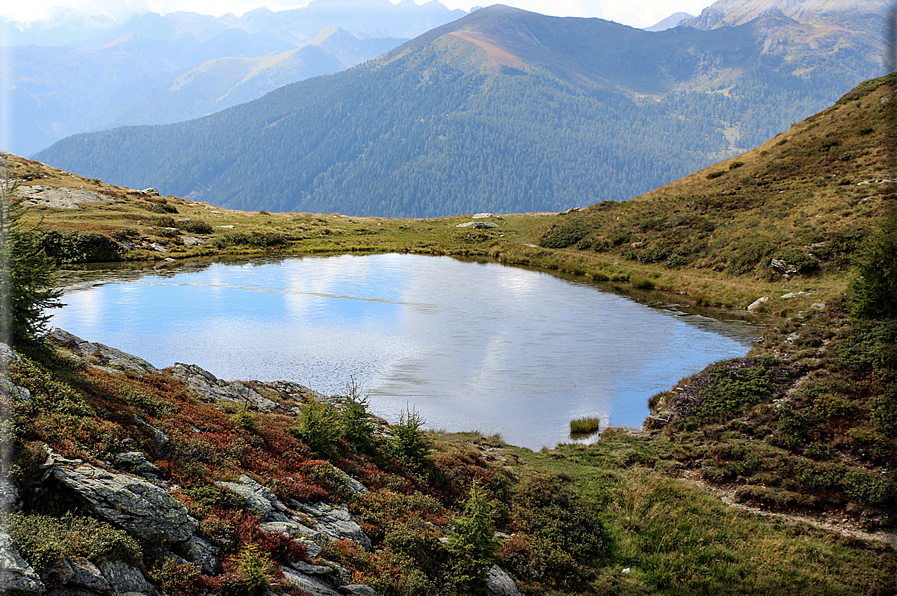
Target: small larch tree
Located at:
point(27, 277)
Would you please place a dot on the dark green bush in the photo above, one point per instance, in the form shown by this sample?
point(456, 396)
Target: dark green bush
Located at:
point(196, 226)
point(67, 248)
point(318, 427)
point(473, 545)
point(734, 385)
point(410, 444)
point(355, 424)
point(875, 291)
point(564, 235)
point(43, 540)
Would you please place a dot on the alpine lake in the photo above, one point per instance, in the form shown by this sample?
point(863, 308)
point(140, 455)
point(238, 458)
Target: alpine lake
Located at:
point(467, 345)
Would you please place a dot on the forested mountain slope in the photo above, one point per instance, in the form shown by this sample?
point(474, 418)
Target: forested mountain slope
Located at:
point(503, 110)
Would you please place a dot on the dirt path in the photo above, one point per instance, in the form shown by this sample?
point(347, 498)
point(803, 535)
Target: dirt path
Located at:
point(844, 527)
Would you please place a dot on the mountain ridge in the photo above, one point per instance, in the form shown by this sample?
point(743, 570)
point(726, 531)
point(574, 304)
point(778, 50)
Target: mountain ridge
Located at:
point(457, 120)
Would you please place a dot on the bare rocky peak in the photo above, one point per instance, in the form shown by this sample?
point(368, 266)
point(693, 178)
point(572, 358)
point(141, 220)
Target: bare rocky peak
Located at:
point(728, 13)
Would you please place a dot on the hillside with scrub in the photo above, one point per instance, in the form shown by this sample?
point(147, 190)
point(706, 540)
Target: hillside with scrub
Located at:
point(772, 473)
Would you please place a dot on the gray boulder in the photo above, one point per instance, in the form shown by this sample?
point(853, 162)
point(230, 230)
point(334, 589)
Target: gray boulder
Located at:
point(9, 495)
point(307, 583)
point(124, 578)
point(255, 496)
point(15, 574)
point(96, 353)
point(211, 388)
point(7, 355)
point(133, 503)
point(88, 576)
point(360, 589)
point(198, 551)
point(499, 583)
point(337, 523)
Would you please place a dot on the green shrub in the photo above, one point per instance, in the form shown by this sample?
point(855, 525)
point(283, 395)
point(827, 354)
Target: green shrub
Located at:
point(734, 385)
point(125, 234)
point(196, 226)
point(67, 248)
point(830, 405)
point(355, 424)
point(162, 206)
point(473, 545)
point(43, 540)
point(875, 290)
point(178, 579)
point(318, 427)
point(409, 443)
point(251, 573)
point(564, 235)
point(243, 419)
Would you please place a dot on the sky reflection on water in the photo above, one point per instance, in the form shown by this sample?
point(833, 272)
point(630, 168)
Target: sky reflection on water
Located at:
point(469, 345)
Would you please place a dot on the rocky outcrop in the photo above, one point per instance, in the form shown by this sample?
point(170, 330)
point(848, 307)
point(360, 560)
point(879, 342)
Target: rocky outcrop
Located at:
point(135, 504)
point(337, 523)
point(303, 522)
point(96, 353)
point(15, 574)
point(211, 388)
point(305, 582)
point(124, 578)
point(58, 198)
point(206, 556)
point(499, 583)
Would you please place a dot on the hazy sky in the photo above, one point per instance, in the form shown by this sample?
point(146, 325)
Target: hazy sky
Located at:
point(637, 13)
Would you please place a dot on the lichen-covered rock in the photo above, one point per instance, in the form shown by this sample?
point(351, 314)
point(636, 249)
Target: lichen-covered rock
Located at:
point(198, 551)
point(307, 583)
point(7, 355)
point(15, 574)
point(9, 495)
point(337, 523)
point(360, 589)
point(499, 583)
point(95, 353)
point(211, 388)
point(255, 496)
point(124, 578)
point(88, 576)
point(135, 504)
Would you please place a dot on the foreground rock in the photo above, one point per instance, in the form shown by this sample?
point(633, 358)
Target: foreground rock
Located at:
point(135, 504)
point(15, 574)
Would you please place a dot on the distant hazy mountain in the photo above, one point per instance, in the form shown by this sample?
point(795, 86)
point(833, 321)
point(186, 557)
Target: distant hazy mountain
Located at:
point(503, 110)
point(374, 18)
point(670, 22)
point(154, 69)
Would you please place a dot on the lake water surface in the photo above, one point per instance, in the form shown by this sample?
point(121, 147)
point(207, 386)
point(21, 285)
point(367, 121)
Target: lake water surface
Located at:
point(470, 346)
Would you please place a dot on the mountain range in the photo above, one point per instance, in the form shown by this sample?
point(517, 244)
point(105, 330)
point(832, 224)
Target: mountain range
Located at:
point(507, 111)
point(73, 74)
